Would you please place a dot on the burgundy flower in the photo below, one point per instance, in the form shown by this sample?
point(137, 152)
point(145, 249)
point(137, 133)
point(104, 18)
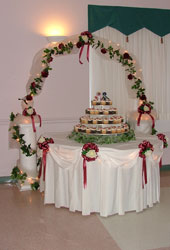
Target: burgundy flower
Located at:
point(130, 76)
point(86, 33)
point(79, 44)
point(29, 98)
point(44, 73)
point(104, 51)
point(49, 59)
point(143, 97)
point(33, 85)
point(61, 46)
point(126, 56)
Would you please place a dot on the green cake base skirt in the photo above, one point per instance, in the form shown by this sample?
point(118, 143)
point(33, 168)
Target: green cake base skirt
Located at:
point(102, 139)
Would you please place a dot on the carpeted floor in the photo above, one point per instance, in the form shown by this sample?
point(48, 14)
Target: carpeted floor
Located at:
point(26, 224)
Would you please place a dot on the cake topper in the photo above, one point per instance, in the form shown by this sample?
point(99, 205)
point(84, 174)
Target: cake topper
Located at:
point(105, 97)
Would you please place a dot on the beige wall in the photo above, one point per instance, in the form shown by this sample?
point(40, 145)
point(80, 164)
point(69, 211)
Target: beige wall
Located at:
point(65, 94)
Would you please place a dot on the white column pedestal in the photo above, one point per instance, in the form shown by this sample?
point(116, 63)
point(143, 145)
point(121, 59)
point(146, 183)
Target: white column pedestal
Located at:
point(28, 164)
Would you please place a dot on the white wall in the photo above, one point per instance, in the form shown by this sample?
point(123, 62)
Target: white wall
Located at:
point(65, 95)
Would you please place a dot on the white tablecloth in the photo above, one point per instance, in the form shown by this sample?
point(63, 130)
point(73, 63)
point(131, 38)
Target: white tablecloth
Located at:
point(114, 179)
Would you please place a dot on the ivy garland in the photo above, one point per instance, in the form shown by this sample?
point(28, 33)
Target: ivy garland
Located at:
point(16, 175)
point(86, 38)
point(102, 139)
point(26, 149)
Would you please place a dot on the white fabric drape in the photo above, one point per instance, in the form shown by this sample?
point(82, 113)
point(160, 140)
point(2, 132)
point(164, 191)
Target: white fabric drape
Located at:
point(114, 179)
point(152, 56)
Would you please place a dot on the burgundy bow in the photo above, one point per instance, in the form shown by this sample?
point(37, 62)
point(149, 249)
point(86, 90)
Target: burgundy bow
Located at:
point(45, 147)
point(25, 113)
point(141, 111)
point(144, 146)
point(89, 35)
point(87, 147)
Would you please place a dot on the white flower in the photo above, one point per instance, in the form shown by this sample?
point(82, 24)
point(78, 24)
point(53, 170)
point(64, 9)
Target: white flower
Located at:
point(85, 38)
point(91, 154)
point(146, 108)
point(148, 152)
point(30, 111)
point(41, 139)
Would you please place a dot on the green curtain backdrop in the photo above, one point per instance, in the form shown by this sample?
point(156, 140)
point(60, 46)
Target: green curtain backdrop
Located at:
point(129, 19)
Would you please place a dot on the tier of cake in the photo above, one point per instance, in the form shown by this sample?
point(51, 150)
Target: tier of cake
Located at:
point(103, 119)
point(123, 128)
point(101, 102)
point(101, 110)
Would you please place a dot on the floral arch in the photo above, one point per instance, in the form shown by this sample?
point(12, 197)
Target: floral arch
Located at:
point(72, 45)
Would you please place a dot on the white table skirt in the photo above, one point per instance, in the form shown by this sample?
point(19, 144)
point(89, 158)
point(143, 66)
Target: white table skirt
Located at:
point(114, 180)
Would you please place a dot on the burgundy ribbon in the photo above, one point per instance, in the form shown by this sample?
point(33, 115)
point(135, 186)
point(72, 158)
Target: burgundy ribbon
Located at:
point(160, 163)
point(81, 51)
point(33, 123)
point(45, 147)
point(139, 118)
point(25, 113)
point(141, 112)
point(144, 146)
point(144, 172)
point(84, 173)
point(40, 120)
point(43, 163)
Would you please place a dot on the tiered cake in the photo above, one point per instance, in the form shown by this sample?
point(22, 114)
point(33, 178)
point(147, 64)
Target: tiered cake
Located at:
point(102, 118)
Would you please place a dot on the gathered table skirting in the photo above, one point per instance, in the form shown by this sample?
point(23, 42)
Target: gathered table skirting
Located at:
point(114, 179)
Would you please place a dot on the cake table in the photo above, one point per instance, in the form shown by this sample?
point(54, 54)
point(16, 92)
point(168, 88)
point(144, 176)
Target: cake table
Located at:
point(114, 179)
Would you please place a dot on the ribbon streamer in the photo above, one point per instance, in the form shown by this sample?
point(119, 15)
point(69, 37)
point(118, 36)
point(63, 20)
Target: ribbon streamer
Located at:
point(40, 120)
point(160, 163)
point(144, 172)
point(81, 51)
point(139, 118)
point(33, 123)
point(84, 173)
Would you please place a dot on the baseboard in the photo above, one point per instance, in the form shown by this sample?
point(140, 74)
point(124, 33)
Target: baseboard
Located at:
point(5, 179)
point(165, 168)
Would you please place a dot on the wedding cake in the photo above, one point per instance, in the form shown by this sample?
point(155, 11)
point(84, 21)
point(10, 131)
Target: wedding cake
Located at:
point(101, 118)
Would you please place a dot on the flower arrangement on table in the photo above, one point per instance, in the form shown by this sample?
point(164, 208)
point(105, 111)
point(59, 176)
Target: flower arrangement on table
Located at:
point(89, 153)
point(43, 145)
point(146, 149)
